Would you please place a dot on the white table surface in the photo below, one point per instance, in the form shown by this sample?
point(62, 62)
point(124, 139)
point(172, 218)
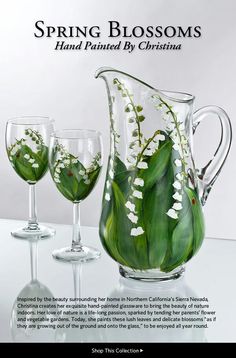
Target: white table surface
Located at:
point(211, 273)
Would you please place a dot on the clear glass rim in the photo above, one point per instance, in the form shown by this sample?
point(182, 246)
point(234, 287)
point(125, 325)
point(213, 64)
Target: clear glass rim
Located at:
point(76, 134)
point(34, 120)
point(168, 94)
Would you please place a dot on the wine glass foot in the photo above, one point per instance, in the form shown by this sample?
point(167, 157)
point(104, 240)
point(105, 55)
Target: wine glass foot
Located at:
point(41, 232)
point(86, 254)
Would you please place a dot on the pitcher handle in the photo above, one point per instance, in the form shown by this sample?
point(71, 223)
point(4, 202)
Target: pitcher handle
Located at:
point(209, 173)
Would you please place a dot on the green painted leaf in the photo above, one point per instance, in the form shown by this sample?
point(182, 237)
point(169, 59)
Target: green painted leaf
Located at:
point(122, 176)
point(156, 203)
point(141, 241)
point(72, 185)
point(41, 157)
point(116, 231)
point(25, 169)
point(157, 165)
point(107, 225)
point(181, 240)
point(198, 220)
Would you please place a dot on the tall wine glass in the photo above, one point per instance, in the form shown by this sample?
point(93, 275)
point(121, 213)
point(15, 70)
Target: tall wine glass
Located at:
point(75, 160)
point(27, 140)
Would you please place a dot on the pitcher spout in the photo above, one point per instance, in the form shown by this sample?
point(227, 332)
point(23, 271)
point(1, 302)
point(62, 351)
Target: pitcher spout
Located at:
point(101, 71)
point(108, 73)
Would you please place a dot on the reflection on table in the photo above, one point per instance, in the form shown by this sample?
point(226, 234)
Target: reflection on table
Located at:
point(204, 278)
point(21, 330)
point(129, 288)
point(63, 331)
point(77, 334)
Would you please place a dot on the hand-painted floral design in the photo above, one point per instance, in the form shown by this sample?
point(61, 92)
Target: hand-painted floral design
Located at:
point(152, 216)
point(176, 131)
point(71, 177)
point(29, 156)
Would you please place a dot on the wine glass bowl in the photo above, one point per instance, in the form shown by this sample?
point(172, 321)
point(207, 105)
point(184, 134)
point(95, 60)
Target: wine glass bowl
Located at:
point(27, 150)
point(75, 161)
point(74, 168)
point(27, 140)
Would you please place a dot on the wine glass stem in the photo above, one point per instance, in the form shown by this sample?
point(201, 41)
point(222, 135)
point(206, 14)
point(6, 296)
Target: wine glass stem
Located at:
point(33, 222)
point(76, 239)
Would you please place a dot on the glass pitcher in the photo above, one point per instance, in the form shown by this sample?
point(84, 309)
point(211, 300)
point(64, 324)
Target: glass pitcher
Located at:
point(152, 221)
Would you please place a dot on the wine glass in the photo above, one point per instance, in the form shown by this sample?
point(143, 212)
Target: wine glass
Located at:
point(75, 160)
point(27, 140)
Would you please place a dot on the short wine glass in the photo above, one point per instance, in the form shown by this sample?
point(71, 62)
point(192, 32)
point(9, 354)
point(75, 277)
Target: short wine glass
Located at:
point(75, 161)
point(27, 140)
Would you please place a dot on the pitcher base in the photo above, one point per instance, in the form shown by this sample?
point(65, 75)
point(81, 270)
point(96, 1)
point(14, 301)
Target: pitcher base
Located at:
point(153, 275)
